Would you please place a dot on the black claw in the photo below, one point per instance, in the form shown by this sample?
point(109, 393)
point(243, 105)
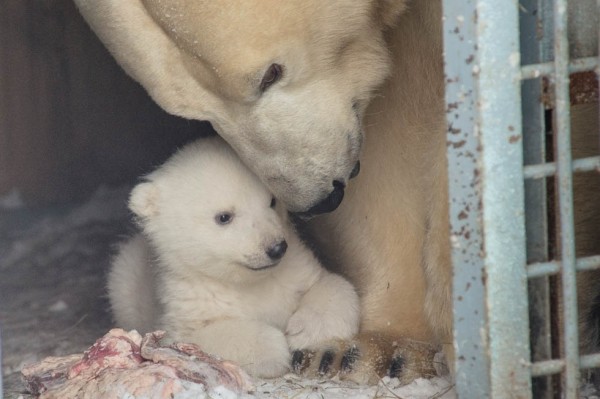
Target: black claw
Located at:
point(326, 361)
point(396, 366)
point(349, 358)
point(297, 361)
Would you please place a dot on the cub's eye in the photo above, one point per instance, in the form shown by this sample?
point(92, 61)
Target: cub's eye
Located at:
point(224, 218)
point(273, 202)
point(273, 74)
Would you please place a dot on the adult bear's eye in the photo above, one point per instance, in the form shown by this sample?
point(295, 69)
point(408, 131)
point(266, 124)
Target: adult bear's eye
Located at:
point(224, 218)
point(273, 202)
point(273, 74)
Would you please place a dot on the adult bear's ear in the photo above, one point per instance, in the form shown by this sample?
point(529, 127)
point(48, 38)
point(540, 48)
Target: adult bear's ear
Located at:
point(389, 10)
point(143, 200)
point(148, 55)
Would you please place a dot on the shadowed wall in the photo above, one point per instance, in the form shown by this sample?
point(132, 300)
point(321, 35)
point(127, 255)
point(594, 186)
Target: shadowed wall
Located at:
point(70, 119)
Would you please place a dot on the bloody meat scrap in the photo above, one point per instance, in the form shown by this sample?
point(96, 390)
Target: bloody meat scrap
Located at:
point(125, 364)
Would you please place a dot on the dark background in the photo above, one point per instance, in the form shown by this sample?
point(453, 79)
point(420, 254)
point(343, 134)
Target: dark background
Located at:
point(70, 118)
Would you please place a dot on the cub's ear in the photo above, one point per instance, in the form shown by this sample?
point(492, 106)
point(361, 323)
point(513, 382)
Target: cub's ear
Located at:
point(389, 10)
point(143, 200)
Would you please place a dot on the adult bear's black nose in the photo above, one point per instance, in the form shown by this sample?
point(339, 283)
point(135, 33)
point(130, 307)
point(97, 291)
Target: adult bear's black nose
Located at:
point(329, 203)
point(277, 250)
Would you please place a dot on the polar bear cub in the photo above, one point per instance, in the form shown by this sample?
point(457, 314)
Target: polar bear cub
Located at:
point(217, 263)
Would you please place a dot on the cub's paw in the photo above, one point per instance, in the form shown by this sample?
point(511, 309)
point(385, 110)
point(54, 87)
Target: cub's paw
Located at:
point(260, 349)
point(309, 327)
point(268, 357)
point(367, 358)
point(328, 311)
point(269, 365)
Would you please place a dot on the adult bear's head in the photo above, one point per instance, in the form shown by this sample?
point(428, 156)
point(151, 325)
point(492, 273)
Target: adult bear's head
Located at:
point(284, 82)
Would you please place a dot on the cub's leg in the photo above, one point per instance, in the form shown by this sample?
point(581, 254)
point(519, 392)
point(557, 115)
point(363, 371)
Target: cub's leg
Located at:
point(131, 283)
point(260, 349)
point(330, 309)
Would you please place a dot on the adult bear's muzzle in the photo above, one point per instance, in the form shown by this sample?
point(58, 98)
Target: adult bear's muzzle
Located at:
point(327, 204)
point(333, 200)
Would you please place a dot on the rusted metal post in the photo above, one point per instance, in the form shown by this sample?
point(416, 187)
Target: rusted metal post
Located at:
point(485, 160)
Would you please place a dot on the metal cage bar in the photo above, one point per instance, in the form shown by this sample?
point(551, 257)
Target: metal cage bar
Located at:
point(562, 131)
point(487, 175)
point(554, 267)
point(549, 169)
point(579, 65)
point(534, 51)
point(485, 159)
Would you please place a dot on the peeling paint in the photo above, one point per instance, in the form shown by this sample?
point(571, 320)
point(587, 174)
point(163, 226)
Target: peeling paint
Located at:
point(514, 138)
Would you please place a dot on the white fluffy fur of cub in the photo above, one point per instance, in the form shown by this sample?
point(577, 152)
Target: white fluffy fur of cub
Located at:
point(199, 269)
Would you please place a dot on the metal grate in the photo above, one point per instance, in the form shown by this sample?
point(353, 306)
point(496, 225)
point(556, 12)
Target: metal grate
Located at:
point(499, 62)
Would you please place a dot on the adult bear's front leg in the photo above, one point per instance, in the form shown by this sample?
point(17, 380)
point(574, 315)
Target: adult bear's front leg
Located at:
point(392, 217)
point(395, 337)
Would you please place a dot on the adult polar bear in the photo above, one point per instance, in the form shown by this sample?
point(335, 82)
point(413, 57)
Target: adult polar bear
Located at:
point(291, 85)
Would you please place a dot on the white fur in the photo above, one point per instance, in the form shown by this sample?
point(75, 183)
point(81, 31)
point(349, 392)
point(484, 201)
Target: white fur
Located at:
point(205, 60)
point(203, 282)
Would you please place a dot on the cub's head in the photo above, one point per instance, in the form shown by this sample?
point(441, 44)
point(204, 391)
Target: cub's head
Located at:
point(286, 83)
point(205, 212)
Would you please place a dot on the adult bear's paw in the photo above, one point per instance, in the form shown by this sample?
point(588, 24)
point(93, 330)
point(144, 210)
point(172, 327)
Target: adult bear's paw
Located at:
point(368, 357)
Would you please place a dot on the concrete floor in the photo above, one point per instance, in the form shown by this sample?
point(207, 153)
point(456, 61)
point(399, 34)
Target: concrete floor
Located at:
point(52, 279)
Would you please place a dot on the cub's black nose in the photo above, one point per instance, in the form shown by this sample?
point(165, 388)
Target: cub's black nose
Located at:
point(277, 251)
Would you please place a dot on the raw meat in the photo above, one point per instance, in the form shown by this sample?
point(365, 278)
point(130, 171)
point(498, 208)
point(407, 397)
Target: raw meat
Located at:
point(123, 364)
